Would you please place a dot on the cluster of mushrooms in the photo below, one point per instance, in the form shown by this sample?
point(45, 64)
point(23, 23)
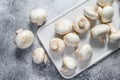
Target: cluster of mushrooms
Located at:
point(104, 32)
point(25, 38)
point(103, 12)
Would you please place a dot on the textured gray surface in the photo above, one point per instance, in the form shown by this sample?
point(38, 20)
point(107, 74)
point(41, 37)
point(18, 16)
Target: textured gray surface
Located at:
point(16, 64)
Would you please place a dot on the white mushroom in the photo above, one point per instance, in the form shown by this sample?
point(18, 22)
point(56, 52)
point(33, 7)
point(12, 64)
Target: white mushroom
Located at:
point(81, 24)
point(92, 12)
point(107, 14)
point(63, 27)
point(39, 56)
point(24, 38)
point(84, 52)
point(38, 16)
point(69, 64)
point(71, 39)
point(115, 34)
point(105, 2)
point(99, 31)
point(57, 45)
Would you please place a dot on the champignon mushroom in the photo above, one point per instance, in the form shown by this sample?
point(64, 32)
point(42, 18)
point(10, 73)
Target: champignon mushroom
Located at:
point(69, 64)
point(38, 16)
point(115, 34)
point(100, 31)
point(107, 14)
point(105, 2)
point(63, 27)
point(92, 12)
point(71, 39)
point(24, 38)
point(39, 56)
point(84, 52)
point(57, 45)
point(81, 24)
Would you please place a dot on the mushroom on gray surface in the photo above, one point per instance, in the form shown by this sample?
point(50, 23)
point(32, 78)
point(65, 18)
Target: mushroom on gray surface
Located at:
point(24, 38)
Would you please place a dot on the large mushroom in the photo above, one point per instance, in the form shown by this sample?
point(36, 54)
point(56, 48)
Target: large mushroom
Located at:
point(71, 39)
point(84, 52)
point(115, 34)
point(38, 16)
point(92, 12)
point(24, 38)
point(57, 45)
point(81, 24)
point(100, 31)
point(63, 26)
point(107, 14)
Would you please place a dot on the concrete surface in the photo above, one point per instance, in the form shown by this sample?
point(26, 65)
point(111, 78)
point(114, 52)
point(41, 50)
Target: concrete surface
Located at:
point(16, 64)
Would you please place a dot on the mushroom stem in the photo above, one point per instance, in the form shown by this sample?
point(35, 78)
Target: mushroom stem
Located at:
point(81, 24)
point(102, 38)
point(55, 46)
point(45, 59)
point(64, 69)
point(19, 30)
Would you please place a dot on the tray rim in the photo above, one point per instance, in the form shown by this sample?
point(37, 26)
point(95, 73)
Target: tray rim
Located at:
point(59, 16)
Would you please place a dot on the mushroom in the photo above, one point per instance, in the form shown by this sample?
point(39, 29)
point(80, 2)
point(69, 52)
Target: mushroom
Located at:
point(69, 64)
point(100, 31)
point(115, 34)
point(81, 24)
point(39, 56)
point(105, 2)
point(24, 38)
point(57, 45)
point(92, 12)
point(107, 14)
point(38, 16)
point(84, 52)
point(63, 27)
point(71, 39)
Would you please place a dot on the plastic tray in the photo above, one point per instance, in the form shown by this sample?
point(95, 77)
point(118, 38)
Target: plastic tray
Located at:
point(100, 50)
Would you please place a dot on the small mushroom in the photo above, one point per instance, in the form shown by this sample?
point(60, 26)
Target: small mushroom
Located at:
point(39, 56)
point(81, 24)
point(57, 45)
point(92, 12)
point(84, 52)
point(71, 39)
point(100, 31)
point(69, 64)
point(107, 14)
point(63, 27)
point(24, 38)
point(105, 2)
point(38, 16)
point(115, 34)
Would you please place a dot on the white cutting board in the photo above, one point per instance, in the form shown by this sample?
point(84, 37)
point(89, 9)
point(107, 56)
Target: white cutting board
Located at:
point(100, 50)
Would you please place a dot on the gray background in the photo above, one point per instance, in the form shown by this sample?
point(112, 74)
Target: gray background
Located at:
point(16, 64)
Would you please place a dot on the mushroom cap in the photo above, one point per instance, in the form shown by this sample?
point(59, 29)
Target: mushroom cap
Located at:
point(71, 39)
point(63, 27)
point(24, 39)
point(91, 12)
point(105, 2)
point(38, 16)
point(69, 63)
point(57, 45)
point(100, 30)
point(81, 24)
point(107, 14)
point(115, 36)
point(84, 53)
point(38, 55)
